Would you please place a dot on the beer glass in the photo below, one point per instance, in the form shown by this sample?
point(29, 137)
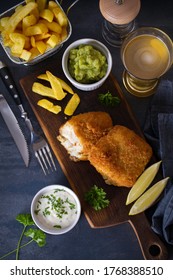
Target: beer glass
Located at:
point(147, 54)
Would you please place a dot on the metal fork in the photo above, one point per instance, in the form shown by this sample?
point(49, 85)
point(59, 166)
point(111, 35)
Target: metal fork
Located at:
point(42, 152)
point(40, 146)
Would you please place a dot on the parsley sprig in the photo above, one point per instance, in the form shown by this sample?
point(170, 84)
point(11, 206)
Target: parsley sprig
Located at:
point(108, 99)
point(35, 234)
point(96, 197)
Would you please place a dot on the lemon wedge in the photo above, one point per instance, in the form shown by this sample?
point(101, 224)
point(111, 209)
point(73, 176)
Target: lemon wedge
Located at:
point(149, 197)
point(143, 182)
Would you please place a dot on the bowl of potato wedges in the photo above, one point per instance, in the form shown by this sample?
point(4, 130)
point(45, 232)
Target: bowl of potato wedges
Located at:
point(33, 30)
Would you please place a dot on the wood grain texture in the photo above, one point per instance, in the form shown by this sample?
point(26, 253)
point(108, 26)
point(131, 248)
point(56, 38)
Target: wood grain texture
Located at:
point(81, 175)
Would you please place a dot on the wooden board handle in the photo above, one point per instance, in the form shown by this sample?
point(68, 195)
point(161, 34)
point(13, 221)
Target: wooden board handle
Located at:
point(151, 245)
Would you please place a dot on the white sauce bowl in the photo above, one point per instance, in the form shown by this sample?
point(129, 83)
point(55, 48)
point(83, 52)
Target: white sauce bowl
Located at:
point(47, 222)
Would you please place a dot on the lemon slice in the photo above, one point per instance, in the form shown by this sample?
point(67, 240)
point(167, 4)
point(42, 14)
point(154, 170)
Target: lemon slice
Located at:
point(149, 197)
point(143, 182)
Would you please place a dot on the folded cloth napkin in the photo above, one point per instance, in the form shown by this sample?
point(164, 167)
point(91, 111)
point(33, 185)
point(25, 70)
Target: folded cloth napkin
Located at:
point(158, 130)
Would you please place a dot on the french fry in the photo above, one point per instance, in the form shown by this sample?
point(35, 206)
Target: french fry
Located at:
point(53, 26)
point(4, 21)
point(60, 16)
point(34, 53)
point(64, 85)
point(41, 4)
point(28, 21)
point(36, 20)
point(41, 46)
point(48, 105)
point(56, 86)
point(27, 1)
point(47, 14)
point(72, 105)
point(41, 37)
point(54, 40)
point(36, 29)
point(55, 91)
point(18, 16)
point(43, 90)
point(25, 55)
point(27, 45)
point(52, 5)
point(33, 41)
point(19, 42)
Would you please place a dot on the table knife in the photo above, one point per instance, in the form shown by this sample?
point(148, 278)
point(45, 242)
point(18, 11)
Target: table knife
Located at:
point(10, 84)
point(14, 129)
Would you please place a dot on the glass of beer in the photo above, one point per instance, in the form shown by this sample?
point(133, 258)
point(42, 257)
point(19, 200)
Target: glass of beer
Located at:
point(147, 54)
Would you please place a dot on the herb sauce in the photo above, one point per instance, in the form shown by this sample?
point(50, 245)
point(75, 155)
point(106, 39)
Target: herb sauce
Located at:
point(56, 208)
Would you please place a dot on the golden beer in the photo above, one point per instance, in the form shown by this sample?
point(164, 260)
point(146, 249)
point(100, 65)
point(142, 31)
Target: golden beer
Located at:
point(147, 54)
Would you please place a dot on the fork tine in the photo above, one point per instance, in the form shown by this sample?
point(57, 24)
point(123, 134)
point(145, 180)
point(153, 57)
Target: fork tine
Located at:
point(50, 156)
point(44, 149)
point(40, 159)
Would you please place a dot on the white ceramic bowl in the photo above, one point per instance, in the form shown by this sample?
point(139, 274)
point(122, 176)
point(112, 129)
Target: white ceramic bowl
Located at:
point(96, 44)
point(49, 223)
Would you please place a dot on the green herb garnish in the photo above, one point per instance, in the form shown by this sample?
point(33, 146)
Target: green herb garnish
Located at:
point(35, 234)
point(96, 197)
point(57, 226)
point(108, 99)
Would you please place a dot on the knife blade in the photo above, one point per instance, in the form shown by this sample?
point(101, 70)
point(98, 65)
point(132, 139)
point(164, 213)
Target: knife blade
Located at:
point(14, 129)
point(11, 86)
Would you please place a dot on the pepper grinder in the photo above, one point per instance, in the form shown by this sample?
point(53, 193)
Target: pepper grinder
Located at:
point(119, 19)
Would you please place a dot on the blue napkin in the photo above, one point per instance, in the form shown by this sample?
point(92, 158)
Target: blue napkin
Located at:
point(158, 130)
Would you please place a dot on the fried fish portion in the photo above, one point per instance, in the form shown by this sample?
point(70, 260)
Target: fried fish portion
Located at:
point(120, 156)
point(82, 131)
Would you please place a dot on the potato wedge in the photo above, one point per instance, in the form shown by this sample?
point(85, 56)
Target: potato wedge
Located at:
point(56, 86)
point(48, 105)
point(43, 90)
point(72, 105)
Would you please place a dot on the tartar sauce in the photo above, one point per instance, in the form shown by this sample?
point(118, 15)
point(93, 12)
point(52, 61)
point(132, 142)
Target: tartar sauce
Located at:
point(56, 209)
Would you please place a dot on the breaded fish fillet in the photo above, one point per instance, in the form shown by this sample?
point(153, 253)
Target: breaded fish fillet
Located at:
point(82, 131)
point(120, 156)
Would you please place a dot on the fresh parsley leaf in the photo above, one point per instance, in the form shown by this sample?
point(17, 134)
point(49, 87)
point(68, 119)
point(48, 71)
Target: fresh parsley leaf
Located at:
point(25, 219)
point(108, 99)
point(37, 235)
point(96, 197)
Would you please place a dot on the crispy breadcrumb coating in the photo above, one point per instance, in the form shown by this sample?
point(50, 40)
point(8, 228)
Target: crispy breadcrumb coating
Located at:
point(82, 131)
point(120, 156)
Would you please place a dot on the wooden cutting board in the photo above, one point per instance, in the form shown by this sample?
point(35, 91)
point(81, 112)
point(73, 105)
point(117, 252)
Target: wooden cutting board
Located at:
point(81, 175)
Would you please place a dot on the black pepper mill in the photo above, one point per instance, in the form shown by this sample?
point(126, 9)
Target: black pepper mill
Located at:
point(119, 19)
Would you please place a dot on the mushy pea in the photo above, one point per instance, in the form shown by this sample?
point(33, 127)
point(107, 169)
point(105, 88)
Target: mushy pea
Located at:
point(87, 64)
